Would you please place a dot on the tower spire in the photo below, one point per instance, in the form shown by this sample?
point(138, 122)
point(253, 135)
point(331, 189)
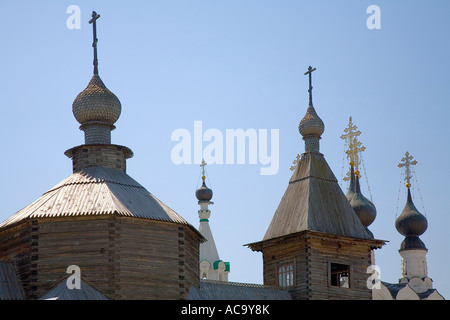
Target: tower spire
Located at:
point(311, 126)
point(93, 21)
point(97, 109)
point(411, 224)
point(211, 267)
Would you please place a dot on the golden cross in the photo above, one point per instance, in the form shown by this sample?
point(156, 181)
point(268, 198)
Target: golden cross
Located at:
point(407, 163)
point(350, 131)
point(295, 162)
point(203, 169)
point(354, 147)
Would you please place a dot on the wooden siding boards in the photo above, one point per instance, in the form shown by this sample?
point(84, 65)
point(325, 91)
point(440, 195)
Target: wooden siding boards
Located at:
point(312, 253)
point(153, 271)
point(314, 201)
point(123, 257)
point(63, 242)
point(16, 247)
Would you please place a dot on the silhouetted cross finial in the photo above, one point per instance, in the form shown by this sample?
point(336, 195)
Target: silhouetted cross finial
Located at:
point(95, 16)
point(309, 72)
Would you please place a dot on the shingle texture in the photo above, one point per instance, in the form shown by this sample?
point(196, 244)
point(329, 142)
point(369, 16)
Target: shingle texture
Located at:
point(62, 292)
point(97, 191)
point(314, 201)
point(218, 290)
point(96, 103)
point(9, 284)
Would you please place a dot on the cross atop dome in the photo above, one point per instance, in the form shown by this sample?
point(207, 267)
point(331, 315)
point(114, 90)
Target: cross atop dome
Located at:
point(309, 73)
point(407, 163)
point(203, 164)
point(93, 21)
point(355, 147)
point(311, 126)
point(96, 108)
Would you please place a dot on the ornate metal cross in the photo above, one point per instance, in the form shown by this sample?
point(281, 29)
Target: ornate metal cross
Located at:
point(309, 72)
point(407, 163)
point(95, 16)
point(354, 146)
point(203, 169)
point(295, 163)
point(350, 131)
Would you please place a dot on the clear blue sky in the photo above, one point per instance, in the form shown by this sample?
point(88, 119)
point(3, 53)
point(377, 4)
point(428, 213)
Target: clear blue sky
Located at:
point(237, 64)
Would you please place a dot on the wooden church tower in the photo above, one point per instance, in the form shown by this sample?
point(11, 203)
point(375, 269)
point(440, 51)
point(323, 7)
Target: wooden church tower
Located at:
point(316, 245)
point(126, 243)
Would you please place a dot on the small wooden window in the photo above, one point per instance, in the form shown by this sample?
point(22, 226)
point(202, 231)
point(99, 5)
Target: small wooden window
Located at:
point(286, 275)
point(340, 275)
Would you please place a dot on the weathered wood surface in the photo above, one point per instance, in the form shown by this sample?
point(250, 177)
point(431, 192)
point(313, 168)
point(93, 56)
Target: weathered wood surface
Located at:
point(122, 257)
point(311, 255)
point(314, 201)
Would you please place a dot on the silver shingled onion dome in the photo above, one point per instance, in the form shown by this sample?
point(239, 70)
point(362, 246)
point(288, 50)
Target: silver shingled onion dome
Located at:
point(311, 125)
point(96, 103)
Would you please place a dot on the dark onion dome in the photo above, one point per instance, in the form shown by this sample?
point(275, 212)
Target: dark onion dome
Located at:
point(412, 242)
point(370, 233)
point(204, 193)
point(351, 188)
point(364, 208)
point(411, 222)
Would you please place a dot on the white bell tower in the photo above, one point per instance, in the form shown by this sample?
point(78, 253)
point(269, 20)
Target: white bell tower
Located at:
point(211, 267)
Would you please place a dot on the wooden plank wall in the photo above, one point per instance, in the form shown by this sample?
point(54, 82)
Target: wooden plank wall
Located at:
point(158, 260)
point(191, 258)
point(15, 247)
point(149, 263)
point(294, 252)
point(122, 257)
point(62, 242)
point(324, 252)
point(311, 258)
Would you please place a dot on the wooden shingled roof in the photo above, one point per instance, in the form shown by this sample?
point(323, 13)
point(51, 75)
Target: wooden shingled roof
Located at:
point(62, 292)
point(224, 290)
point(10, 288)
point(314, 201)
point(97, 191)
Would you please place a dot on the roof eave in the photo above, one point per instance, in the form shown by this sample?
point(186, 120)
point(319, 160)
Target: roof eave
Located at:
point(260, 245)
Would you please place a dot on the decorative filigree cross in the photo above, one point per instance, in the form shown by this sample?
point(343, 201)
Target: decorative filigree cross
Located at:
point(203, 164)
point(295, 163)
point(407, 163)
point(354, 147)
